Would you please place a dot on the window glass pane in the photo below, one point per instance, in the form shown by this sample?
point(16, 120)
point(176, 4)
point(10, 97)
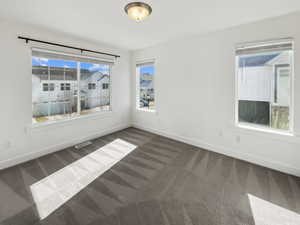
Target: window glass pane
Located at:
point(50, 99)
point(146, 86)
point(68, 86)
point(264, 88)
point(45, 87)
point(280, 108)
point(55, 87)
point(93, 96)
point(105, 86)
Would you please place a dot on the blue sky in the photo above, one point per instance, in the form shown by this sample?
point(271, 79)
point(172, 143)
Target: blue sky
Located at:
point(94, 67)
point(147, 69)
point(89, 66)
point(69, 64)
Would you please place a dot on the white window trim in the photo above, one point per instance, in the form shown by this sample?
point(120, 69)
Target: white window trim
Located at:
point(70, 120)
point(63, 53)
point(95, 115)
point(137, 85)
point(261, 128)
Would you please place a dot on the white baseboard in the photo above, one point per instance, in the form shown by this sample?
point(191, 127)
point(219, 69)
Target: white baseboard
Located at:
point(54, 148)
point(225, 151)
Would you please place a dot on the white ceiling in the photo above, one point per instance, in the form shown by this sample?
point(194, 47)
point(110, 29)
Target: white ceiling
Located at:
point(105, 20)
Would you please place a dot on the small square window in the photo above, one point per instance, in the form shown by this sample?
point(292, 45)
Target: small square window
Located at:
point(91, 86)
point(68, 86)
point(105, 86)
point(48, 86)
point(45, 87)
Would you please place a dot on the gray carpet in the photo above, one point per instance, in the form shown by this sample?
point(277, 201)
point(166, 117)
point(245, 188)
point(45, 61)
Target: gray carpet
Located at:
point(160, 182)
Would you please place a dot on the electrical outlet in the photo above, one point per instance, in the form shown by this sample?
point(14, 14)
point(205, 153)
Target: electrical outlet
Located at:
point(238, 139)
point(221, 133)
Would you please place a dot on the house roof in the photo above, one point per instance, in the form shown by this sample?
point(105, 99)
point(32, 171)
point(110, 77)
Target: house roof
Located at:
point(103, 76)
point(89, 74)
point(256, 60)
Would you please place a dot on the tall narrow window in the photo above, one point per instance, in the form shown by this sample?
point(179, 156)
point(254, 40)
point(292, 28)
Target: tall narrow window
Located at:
point(264, 80)
point(145, 86)
point(56, 79)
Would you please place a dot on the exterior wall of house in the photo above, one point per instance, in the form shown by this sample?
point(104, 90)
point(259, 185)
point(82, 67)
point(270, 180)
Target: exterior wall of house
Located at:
point(255, 83)
point(99, 96)
point(53, 102)
point(65, 101)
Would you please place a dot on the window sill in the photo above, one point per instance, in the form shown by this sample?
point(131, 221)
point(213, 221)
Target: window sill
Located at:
point(68, 121)
point(268, 133)
point(146, 110)
point(265, 130)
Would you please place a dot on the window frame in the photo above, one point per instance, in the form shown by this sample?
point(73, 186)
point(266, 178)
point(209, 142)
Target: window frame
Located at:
point(91, 86)
point(105, 86)
point(106, 61)
point(137, 86)
point(62, 86)
point(50, 86)
point(257, 127)
point(67, 87)
point(45, 87)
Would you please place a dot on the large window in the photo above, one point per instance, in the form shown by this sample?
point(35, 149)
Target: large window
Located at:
point(56, 79)
point(145, 86)
point(264, 82)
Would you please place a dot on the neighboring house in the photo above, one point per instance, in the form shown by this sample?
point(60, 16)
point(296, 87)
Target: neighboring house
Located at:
point(264, 78)
point(146, 87)
point(264, 89)
point(95, 88)
point(55, 90)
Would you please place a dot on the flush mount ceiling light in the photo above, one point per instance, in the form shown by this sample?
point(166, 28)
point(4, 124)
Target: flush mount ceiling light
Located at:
point(138, 10)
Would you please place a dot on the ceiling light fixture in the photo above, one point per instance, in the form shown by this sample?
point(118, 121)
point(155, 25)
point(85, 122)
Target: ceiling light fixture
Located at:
point(138, 10)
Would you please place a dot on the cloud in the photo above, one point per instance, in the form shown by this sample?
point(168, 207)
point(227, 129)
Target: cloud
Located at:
point(98, 67)
point(39, 61)
point(94, 67)
point(43, 59)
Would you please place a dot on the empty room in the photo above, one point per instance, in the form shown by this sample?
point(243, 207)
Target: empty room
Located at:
point(118, 112)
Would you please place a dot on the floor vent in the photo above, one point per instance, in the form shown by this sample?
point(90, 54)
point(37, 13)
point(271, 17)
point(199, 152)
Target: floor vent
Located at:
point(83, 144)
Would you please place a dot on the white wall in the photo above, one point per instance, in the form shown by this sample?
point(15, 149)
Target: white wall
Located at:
point(194, 86)
point(18, 140)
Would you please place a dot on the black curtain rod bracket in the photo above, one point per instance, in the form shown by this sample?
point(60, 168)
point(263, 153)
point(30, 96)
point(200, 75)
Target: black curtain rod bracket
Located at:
point(67, 46)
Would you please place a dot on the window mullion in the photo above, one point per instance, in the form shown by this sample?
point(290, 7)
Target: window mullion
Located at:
point(78, 89)
point(48, 84)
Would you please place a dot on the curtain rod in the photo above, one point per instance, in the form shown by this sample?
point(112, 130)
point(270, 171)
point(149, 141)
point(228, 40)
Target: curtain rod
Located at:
point(66, 46)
